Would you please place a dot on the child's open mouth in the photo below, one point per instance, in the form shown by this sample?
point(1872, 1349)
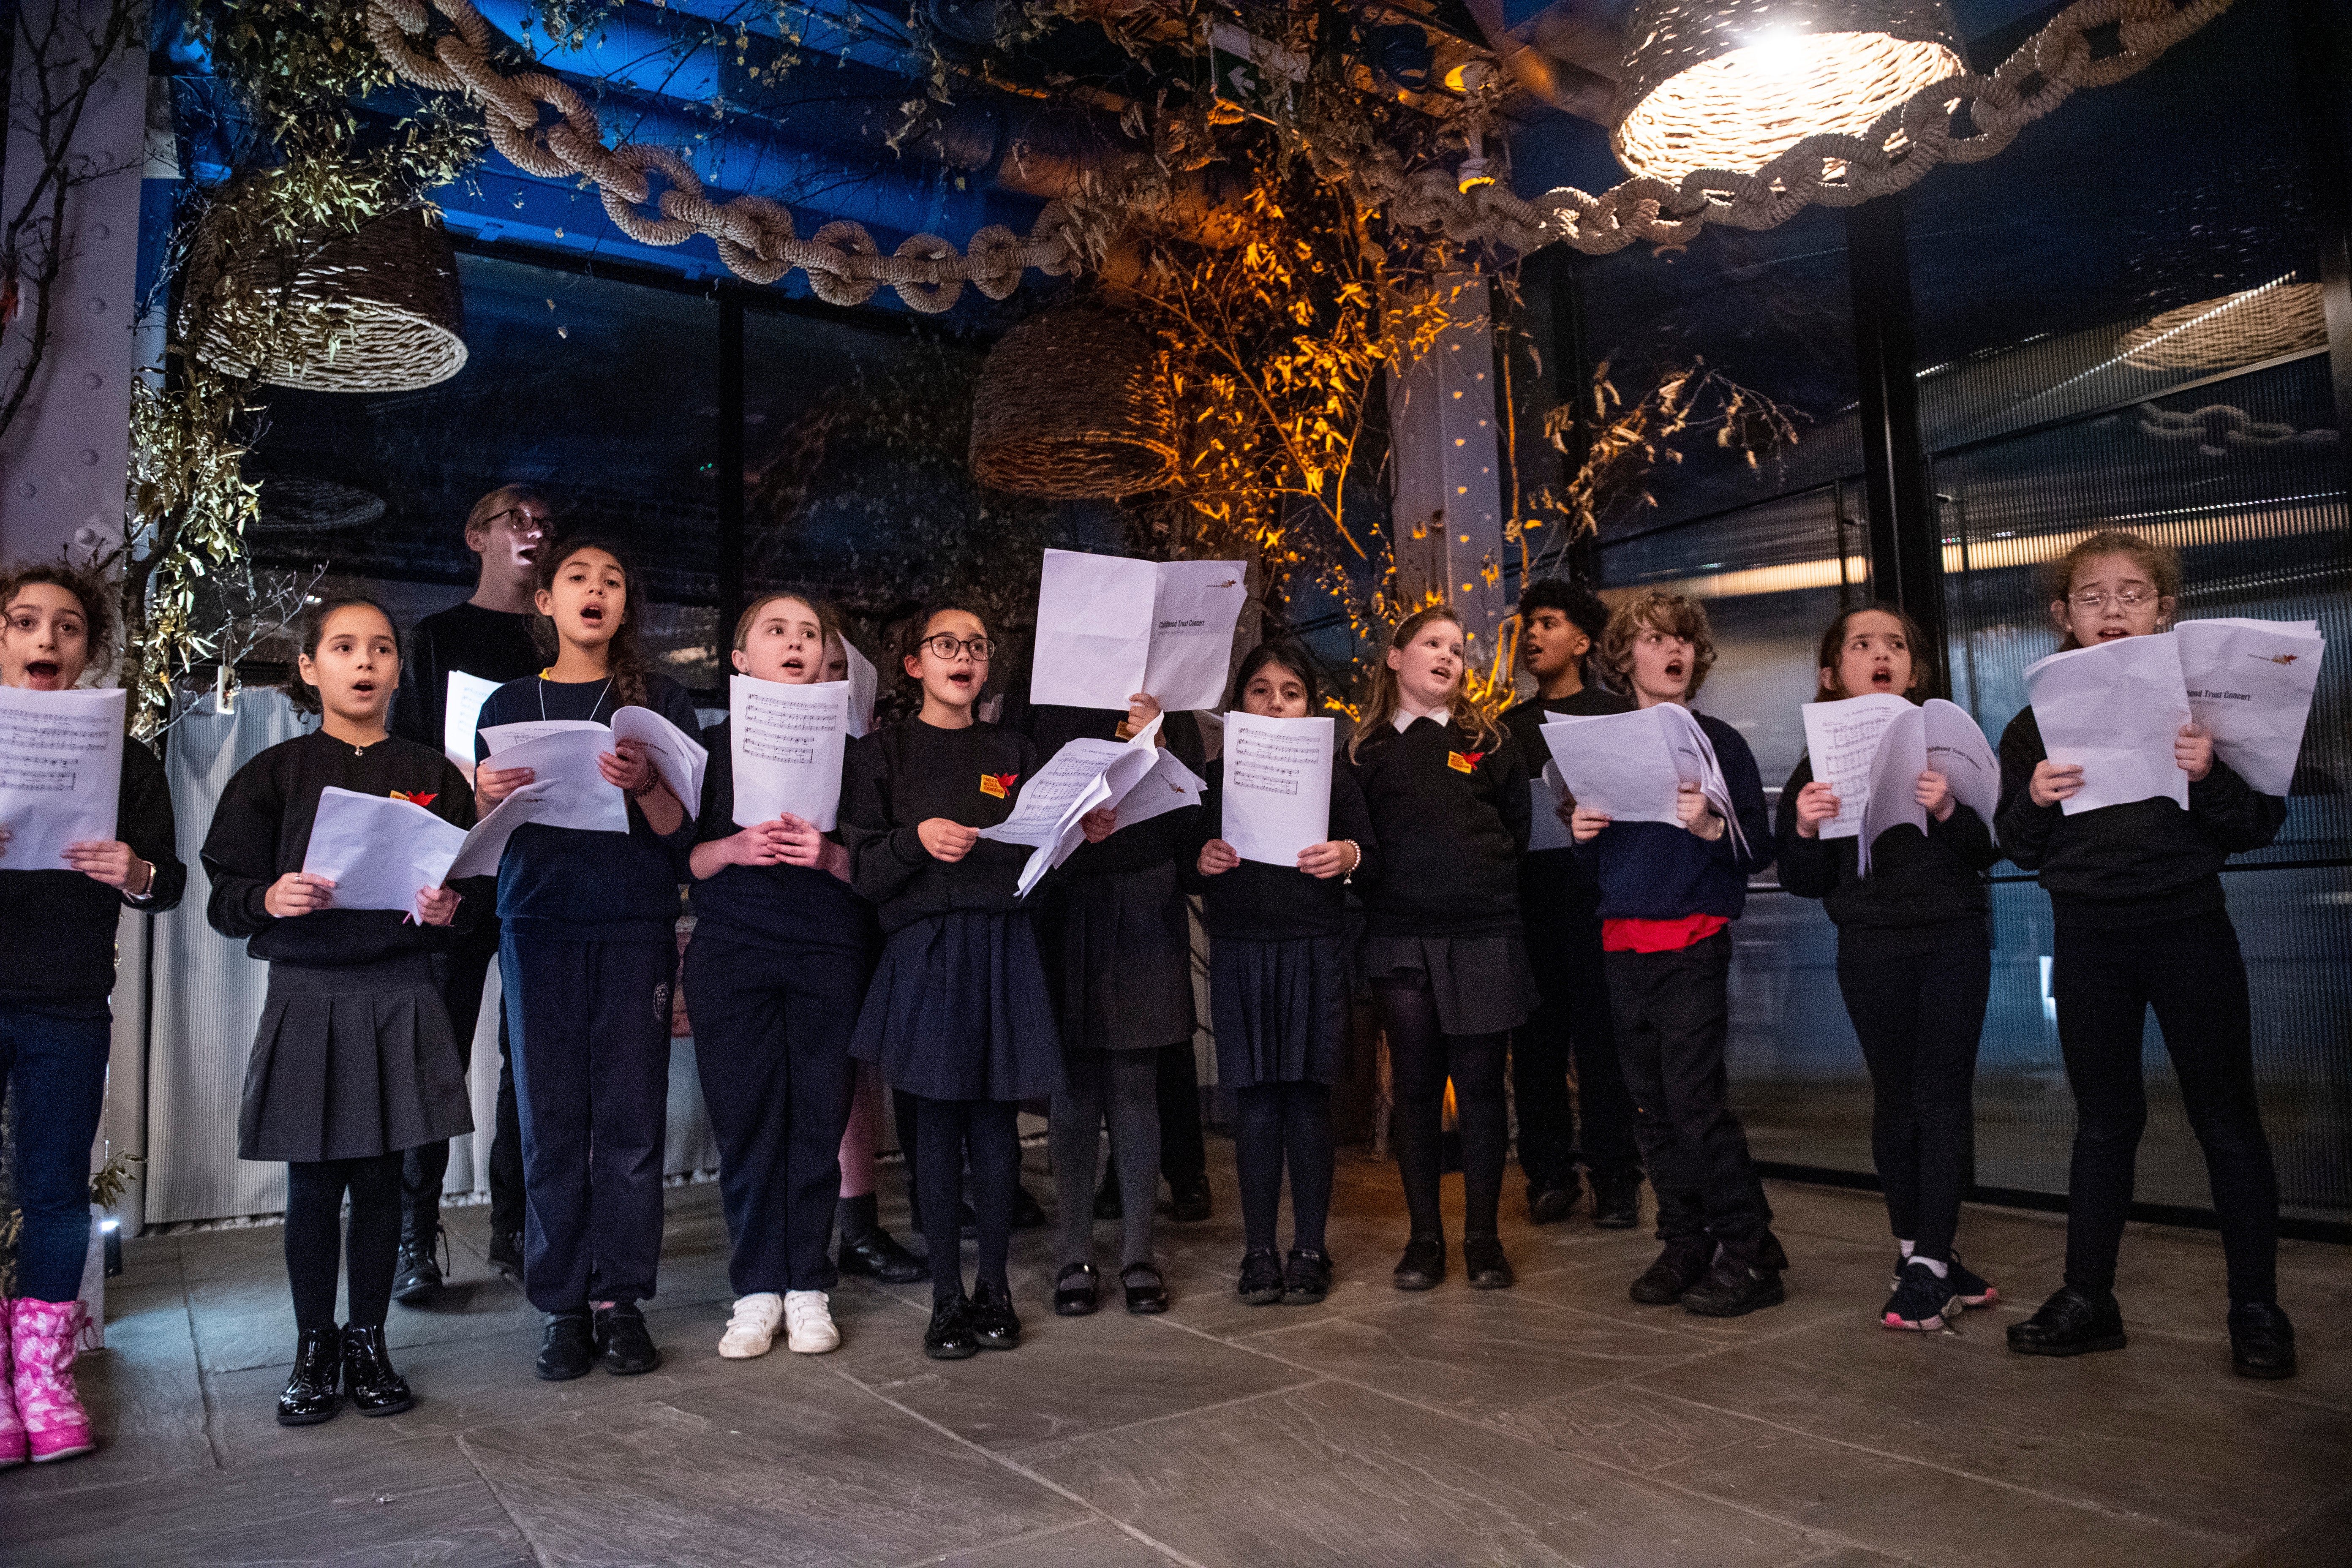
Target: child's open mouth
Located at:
point(1882, 678)
point(43, 669)
point(592, 613)
point(795, 665)
point(2109, 634)
point(364, 688)
point(1673, 669)
point(960, 677)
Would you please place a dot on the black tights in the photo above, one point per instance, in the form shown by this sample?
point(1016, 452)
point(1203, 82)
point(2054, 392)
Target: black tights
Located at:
point(946, 1131)
point(1279, 1121)
point(1421, 1057)
point(318, 1244)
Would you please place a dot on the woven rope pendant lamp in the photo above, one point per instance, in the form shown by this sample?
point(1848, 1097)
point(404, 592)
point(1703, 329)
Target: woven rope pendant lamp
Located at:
point(1068, 406)
point(1728, 84)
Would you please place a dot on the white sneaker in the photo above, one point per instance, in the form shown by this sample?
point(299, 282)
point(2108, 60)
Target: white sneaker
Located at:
point(753, 1328)
point(808, 1323)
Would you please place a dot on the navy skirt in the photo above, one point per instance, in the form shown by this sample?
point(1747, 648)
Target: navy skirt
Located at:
point(958, 1010)
point(1483, 985)
point(351, 1063)
point(1118, 959)
point(1280, 1009)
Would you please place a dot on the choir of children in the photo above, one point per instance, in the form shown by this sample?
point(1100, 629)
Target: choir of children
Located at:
point(898, 947)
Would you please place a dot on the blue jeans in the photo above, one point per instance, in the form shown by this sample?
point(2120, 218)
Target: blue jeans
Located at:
point(56, 1068)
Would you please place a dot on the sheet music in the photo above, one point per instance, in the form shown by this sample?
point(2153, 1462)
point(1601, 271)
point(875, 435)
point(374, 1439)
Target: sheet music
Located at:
point(785, 745)
point(1840, 738)
point(2116, 708)
point(461, 709)
point(1109, 627)
point(1277, 790)
point(378, 850)
point(60, 772)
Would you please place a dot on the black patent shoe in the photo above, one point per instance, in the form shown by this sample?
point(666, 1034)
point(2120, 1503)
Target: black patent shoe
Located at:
point(876, 1255)
point(1108, 1204)
point(1484, 1263)
point(1682, 1265)
point(567, 1345)
point(2072, 1322)
point(1189, 1201)
point(418, 1279)
point(1422, 1267)
point(1617, 1204)
point(1027, 1213)
point(375, 1389)
point(1549, 1206)
point(949, 1337)
point(995, 1323)
point(623, 1342)
point(1306, 1277)
point(1733, 1289)
point(314, 1390)
point(506, 1253)
point(1261, 1281)
point(2261, 1341)
point(1073, 1292)
point(1146, 1292)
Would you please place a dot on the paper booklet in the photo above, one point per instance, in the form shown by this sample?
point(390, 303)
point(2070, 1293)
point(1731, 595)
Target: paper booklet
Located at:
point(2250, 683)
point(1109, 627)
point(1632, 764)
point(1277, 792)
point(1082, 776)
point(785, 745)
point(380, 851)
point(2116, 708)
point(680, 758)
point(60, 772)
point(1938, 735)
point(567, 787)
point(1842, 738)
point(865, 685)
point(461, 709)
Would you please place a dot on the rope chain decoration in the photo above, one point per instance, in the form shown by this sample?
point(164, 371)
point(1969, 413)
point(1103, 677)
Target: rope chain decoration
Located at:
point(757, 241)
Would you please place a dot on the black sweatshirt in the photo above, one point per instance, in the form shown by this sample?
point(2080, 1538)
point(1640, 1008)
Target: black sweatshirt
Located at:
point(570, 884)
point(1452, 817)
point(58, 927)
point(1663, 871)
point(262, 827)
point(2141, 864)
point(494, 645)
point(1259, 902)
point(1551, 878)
point(782, 907)
point(902, 775)
point(1925, 890)
point(1151, 843)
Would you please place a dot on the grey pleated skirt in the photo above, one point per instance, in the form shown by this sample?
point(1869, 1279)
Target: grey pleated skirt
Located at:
point(1483, 985)
point(1119, 958)
point(1280, 1009)
point(958, 1010)
point(351, 1062)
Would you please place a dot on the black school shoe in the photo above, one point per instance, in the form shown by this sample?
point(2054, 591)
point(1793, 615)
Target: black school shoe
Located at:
point(623, 1340)
point(1551, 1205)
point(1683, 1264)
point(1188, 1200)
point(1261, 1281)
point(995, 1323)
point(417, 1279)
point(1616, 1204)
point(314, 1390)
point(1733, 1289)
point(1075, 1291)
point(1484, 1263)
point(567, 1345)
point(1422, 1267)
point(1147, 1293)
point(949, 1337)
point(1306, 1277)
point(375, 1389)
point(2261, 1341)
point(2072, 1322)
point(876, 1255)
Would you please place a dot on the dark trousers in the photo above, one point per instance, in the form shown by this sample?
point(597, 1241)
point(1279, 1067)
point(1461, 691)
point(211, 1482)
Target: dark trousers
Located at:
point(1422, 1058)
point(1572, 1023)
point(465, 969)
point(772, 1041)
point(1673, 1014)
point(2192, 973)
point(320, 1244)
point(1919, 1016)
point(591, 1026)
point(54, 1066)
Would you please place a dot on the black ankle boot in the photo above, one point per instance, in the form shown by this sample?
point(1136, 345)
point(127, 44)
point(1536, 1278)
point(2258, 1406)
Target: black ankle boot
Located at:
point(314, 1390)
point(1683, 1264)
point(375, 1389)
point(416, 1280)
point(2261, 1341)
point(876, 1254)
point(2072, 1322)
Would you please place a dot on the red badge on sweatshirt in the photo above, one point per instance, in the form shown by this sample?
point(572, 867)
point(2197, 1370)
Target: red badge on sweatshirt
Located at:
point(416, 797)
point(1463, 762)
point(998, 784)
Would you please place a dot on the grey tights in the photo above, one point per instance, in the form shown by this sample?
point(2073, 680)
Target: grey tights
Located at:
point(1122, 1086)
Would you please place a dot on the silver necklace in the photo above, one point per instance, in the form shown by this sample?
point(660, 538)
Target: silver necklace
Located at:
point(598, 708)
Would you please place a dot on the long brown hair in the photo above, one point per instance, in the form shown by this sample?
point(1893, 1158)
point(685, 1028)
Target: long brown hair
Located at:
point(1381, 702)
point(1834, 649)
point(624, 656)
point(2160, 561)
point(91, 590)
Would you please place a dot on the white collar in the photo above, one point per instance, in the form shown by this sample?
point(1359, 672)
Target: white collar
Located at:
point(1407, 716)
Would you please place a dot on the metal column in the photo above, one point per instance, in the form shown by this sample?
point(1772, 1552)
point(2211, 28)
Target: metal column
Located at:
point(1446, 525)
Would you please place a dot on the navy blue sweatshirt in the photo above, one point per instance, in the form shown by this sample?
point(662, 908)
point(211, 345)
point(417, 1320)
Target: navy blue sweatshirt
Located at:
point(1925, 890)
point(901, 775)
point(571, 885)
point(1259, 902)
point(1452, 814)
point(788, 908)
point(2139, 864)
point(1549, 879)
point(261, 829)
point(1663, 871)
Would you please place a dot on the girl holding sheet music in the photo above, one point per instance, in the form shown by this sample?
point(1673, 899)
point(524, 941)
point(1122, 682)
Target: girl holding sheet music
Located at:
point(58, 929)
point(778, 965)
point(587, 957)
point(2139, 922)
point(1915, 964)
point(1669, 893)
point(355, 1061)
point(958, 1014)
point(1278, 991)
point(1447, 795)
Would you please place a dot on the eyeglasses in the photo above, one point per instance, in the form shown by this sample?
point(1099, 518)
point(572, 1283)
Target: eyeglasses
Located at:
point(2124, 598)
point(526, 521)
point(947, 647)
